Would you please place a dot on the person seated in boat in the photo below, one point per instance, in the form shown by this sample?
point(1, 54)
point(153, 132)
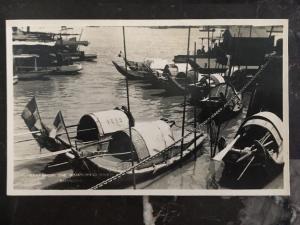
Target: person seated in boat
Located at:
point(203, 49)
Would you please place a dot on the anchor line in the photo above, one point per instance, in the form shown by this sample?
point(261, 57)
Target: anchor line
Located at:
point(121, 174)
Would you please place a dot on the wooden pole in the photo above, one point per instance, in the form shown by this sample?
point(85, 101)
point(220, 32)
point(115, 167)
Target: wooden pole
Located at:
point(128, 107)
point(63, 122)
point(38, 112)
point(209, 85)
point(195, 109)
point(185, 84)
point(271, 31)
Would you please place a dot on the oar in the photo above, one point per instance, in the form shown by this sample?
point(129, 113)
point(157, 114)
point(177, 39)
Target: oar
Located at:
point(221, 154)
point(30, 132)
point(251, 160)
point(246, 155)
point(45, 155)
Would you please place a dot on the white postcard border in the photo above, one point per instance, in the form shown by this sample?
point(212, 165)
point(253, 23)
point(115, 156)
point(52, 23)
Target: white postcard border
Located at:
point(177, 22)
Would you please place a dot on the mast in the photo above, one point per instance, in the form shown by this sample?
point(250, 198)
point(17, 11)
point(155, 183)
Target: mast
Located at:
point(128, 107)
point(185, 84)
point(195, 109)
point(209, 85)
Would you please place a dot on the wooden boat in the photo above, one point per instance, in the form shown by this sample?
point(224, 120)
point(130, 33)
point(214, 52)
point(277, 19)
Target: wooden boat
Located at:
point(71, 69)
point(204, 84)
point(33, 75)
point(131, 74)
point(78, 56)
point(206, 70)
point(138, 66)
point(89, 57)
point(150, 70)
point(25, 71)
point(216, 98)
point(103, 147)
point(118, 153)
point(257, 146)
point(174, 78)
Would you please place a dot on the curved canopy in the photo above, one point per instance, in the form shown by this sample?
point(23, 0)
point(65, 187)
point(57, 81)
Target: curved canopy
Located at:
point(94, 125)
point(274, 125)
point(149, 138)
point(269, 121)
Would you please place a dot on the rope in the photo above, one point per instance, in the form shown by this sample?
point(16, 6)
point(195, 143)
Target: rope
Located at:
point(120, 175)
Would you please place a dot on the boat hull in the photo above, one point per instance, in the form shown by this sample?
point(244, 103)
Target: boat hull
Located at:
point(67, 69)
point(130, 74)
point(173, 86)
point(150, 170)
point(32, 75)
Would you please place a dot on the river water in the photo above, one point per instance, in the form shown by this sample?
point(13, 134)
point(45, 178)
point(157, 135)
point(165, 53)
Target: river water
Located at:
point(100, 87)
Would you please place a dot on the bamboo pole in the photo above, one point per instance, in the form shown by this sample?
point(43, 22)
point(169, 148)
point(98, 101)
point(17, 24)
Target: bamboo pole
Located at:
point(185, 84)
point(195, 109)
point(128, 107)
point(209, 85)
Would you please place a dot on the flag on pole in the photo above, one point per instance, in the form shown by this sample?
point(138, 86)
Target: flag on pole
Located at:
point(59, 130)
point(31, 116)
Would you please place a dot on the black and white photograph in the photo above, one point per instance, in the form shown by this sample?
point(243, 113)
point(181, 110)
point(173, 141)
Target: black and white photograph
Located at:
point(160, 107)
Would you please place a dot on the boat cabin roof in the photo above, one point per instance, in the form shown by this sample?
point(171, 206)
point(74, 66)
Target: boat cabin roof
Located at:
point(95, 125)
point(26, 56)
point(32, 43)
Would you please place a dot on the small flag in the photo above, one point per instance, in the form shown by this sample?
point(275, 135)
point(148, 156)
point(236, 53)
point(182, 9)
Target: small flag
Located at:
point(59, 130)
point(31, 116)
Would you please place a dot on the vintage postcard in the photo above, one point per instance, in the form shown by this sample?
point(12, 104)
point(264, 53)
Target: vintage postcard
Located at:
point(147, 107)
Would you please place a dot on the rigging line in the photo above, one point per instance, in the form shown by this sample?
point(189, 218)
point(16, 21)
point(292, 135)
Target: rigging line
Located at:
point(121, 174)
point(185, 85)
point(128, 107)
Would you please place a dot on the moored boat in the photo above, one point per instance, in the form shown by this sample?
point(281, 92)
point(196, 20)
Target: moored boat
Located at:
point(104, 147)
point(67, 69)
point(24, 69)
point(33, 75)
point(256, 153)
point(201, 88)
point(131, 74)
point(216, 99)
point(145, 150)
point(89, 57)
point(174, 78)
